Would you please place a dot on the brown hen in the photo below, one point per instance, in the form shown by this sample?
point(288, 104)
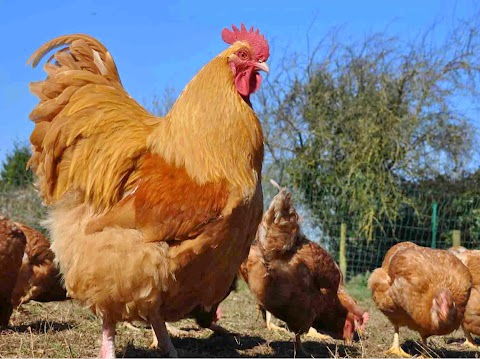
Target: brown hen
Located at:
point(12, 248)
point(424, 289)
point(471, 321)
point(295, 279)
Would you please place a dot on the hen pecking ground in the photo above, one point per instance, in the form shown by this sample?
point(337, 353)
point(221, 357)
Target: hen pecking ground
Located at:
point(66, 330)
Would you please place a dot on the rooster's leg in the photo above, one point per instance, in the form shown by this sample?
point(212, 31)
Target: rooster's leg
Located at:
point(396, 349)
point(164, 343)
point(107, 350)
point(270, 325)
point(469, 342)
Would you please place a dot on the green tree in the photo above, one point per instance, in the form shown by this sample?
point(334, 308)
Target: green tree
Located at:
point(352, 125)
point(14, 173)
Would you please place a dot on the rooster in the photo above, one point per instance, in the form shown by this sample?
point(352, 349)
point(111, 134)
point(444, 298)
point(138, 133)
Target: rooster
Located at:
point(425, 289)
point(149, 216)
point(296, 280)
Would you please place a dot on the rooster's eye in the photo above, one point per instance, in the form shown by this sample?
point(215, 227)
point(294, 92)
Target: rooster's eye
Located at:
point(243, 55)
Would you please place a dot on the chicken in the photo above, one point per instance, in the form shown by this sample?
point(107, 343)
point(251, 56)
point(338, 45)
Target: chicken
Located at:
point(295, 279)
point(471, 320)
point(39, 278)
point(149, 216)
point(356, 319)
point(424, 289)
point(12, 247)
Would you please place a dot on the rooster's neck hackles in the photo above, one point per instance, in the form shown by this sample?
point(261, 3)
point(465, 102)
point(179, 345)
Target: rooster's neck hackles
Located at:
point(206, 126)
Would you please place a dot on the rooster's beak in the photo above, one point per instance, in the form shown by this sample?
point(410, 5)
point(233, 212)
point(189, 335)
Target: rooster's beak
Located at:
point(262, 66)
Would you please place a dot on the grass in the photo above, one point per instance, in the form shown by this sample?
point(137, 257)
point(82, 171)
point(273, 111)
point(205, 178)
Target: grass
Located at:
point(66, 330)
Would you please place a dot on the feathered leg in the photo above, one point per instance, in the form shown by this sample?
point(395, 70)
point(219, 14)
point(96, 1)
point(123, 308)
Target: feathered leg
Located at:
point(161, 337)
point(396, 349)
point(107, 350)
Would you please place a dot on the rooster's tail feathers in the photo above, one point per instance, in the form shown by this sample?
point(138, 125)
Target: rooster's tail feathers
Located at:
point(84, 53)
point(83, 115)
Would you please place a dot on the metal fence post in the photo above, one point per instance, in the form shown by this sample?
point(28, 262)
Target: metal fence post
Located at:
point(343, 254)
point(434, 224)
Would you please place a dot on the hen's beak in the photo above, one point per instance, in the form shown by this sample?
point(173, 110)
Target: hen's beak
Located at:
point(262, 66)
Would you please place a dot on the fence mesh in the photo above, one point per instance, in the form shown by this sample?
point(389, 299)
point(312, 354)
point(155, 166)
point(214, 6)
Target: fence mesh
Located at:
point(435, 221)
point(431, 219)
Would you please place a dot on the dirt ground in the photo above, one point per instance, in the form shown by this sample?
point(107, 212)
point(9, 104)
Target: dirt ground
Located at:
point(66, 330)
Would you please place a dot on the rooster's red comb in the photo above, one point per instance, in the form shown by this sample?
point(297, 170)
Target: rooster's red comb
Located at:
point(253, 37)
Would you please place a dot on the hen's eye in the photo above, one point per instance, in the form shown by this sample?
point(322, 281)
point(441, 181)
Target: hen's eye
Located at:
point(243, 55)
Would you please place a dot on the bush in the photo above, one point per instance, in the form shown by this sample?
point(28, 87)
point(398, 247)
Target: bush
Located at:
point(14, 173)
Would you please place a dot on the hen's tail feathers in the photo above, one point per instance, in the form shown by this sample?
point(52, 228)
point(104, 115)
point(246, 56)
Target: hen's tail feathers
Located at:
point(38, 247)
point(280, 228)
point(275, 184)
point(379, 280)
point(281, 208)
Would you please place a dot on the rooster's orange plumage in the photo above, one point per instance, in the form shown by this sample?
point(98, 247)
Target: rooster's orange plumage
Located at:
point(149, 217)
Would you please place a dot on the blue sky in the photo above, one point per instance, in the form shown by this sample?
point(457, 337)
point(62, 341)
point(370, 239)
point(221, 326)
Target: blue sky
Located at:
point(159, 44)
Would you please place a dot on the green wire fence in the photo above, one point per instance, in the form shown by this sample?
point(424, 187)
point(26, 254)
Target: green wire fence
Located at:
point(437, 220)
